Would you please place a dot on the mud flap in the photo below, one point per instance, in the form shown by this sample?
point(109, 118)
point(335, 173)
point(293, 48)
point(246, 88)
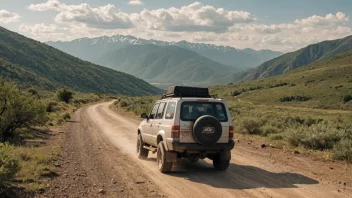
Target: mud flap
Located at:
point(225, 155)
point(170, 156)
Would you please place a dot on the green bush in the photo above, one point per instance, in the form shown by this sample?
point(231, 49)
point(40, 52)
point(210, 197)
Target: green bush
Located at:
point(343, 150)
point(276, 136)
point(320, 136)
point(268, 129)
point(33, 92)
point(64, 95)
point(66, 116)
point(347, 98)
point(51, 107)
point(18, 109)
point(123, 103)
point(252, 126)
point(8, 166)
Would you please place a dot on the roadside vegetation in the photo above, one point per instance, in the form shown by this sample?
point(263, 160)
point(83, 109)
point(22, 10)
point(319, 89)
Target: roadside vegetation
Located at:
point(29, 139)
point(137, 105)
point(281, 126)
point(308, 109)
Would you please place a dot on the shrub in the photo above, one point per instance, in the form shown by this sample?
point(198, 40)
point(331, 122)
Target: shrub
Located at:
point(123, 103)
point(18, 109)
point(50, 107)
point(296, 98)
point(347, 98)
point(33, 92)
point(318, 136)
point(276, 136)
point(252, 126)
point(267, 129)
point(8, 166)
point(66, 116)
point(343, 150)
point(236, 93)
point(64, 95)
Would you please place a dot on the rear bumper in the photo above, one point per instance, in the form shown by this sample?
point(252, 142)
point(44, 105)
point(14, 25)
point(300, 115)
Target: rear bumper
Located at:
point(187, 147)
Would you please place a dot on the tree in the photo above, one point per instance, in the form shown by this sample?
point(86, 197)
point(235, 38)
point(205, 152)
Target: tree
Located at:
point(18, 109)
point(64, 95)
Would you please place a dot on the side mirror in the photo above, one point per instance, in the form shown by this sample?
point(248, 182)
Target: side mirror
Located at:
point(144, 116)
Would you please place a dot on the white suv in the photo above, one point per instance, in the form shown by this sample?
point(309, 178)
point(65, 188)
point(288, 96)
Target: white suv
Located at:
point(187, 122)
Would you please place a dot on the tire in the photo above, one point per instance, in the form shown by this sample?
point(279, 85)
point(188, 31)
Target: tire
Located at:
point(207, 139)
point(220, 164)
point(141, 151)
point(163, 166)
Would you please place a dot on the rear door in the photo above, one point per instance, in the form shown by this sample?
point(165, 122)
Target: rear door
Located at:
point(147, 129)
point(158, 121)
point(192, 110)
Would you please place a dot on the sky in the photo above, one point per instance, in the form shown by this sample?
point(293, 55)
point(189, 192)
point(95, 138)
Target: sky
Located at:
point(279, 25)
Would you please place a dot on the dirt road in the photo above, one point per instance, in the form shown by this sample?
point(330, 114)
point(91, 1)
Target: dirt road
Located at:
point(101, 143)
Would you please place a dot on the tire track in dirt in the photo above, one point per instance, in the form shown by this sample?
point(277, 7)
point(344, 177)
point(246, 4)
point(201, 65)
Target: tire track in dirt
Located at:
point(251, 173)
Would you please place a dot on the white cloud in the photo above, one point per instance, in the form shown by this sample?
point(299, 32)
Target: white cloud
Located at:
point(39, 28)
point(135, 2)
point(195, 22)
point(8, 17)
point(192, 18)
point(329, 19)
point(105, 17)
point(49, 5)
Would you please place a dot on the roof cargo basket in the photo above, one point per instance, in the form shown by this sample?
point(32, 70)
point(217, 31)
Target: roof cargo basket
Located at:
point(184, 92)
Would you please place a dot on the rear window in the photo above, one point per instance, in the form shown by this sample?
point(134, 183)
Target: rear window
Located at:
point(190, 111)
point(170, 110)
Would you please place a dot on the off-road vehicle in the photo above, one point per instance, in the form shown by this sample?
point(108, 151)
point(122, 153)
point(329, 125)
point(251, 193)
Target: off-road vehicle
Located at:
point(187, 122)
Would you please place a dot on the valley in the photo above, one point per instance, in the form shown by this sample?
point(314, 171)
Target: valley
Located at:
point(69, 112)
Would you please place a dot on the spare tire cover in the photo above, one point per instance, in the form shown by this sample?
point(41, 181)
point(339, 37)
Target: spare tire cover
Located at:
point(207, 130)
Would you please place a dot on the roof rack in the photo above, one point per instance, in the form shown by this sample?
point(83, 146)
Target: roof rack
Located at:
point(187, 92)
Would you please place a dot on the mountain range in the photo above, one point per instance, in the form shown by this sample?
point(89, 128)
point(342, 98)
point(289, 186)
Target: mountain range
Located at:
point(92, 49)
point(299, 58)
point(30, 63)
point(165, 64)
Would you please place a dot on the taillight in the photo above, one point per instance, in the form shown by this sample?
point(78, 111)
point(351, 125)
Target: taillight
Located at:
point(231, 132)
point(175, 131)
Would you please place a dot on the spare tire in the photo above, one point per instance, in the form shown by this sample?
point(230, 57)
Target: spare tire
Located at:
point(207, 130)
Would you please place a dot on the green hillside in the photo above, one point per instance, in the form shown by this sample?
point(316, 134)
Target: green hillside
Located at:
point(30, 63)
point(165, 64)
point(304, 56)
point(324, 84)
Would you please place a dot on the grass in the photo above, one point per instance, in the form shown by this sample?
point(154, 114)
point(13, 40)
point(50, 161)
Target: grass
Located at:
point(326, 84)
point(292, 127)
point(37, 149)
point(36, 162)
point(137, 105)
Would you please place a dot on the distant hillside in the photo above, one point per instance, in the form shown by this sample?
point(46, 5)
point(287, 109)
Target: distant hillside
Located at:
point(30, 63)
point(164, 64)
point(294, 60)
point(322, 84)
point(91, 49)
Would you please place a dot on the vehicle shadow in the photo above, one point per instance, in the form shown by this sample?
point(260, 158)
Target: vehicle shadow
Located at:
point(237, 176)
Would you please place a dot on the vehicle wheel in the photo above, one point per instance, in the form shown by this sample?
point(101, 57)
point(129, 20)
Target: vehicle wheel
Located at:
point(220, 164)
point(141, 151)
point(163, 166)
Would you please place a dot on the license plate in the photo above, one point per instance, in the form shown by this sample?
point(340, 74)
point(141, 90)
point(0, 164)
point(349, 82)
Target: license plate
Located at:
point(208, 130)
